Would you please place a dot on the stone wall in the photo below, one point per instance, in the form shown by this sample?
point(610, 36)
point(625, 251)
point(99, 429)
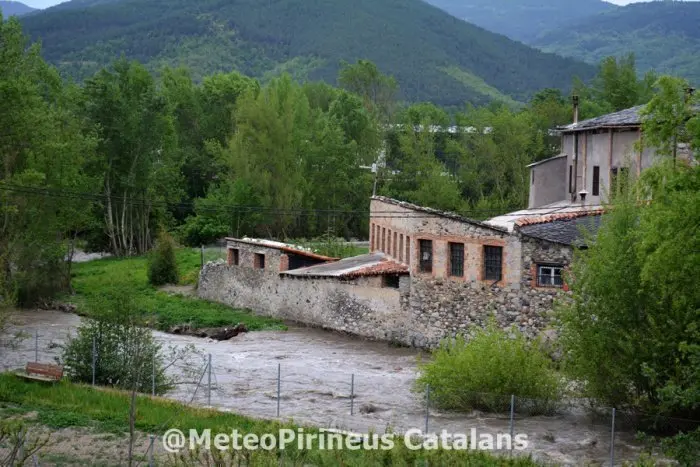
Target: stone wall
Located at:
point(358, 307)
point(425, 308)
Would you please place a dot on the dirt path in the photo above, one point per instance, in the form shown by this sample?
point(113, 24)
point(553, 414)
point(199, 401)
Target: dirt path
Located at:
point(316, 371)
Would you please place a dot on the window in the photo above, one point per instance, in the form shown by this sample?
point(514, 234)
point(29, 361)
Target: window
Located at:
point(532, 177)
point(493, 263)
point(456, 259)
point(596, 181)
point(408, 250)
point(401, 247)
point(235, 256)
point(549, 276)
point(426, 255)
point(388, 244)
point(372, 237)
point(394, 245)
point(571, 179)
point(259, 261)
point(383, 239)
point(391, 281)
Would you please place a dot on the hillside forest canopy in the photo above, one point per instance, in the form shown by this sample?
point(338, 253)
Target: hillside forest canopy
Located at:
point(113, 161)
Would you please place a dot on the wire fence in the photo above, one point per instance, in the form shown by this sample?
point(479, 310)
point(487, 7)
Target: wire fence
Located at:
point(362, 403)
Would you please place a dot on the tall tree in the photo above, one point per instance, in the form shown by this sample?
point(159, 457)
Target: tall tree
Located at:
point(376, 89)
point(45, 150)
point(140, 164)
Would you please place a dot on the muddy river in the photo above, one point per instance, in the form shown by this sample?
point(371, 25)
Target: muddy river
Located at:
point(317, 369)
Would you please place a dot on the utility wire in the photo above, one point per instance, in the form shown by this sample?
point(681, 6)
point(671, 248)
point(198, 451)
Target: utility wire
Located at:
point(226, 209)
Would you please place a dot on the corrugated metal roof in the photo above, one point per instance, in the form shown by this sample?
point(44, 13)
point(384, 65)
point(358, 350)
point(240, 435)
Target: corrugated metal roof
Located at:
point(435, 212)
point(286, 247)
point(373, 264)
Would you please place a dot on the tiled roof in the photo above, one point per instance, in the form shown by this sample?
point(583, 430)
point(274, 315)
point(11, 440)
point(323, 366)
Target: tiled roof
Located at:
point(434, 212)
point(627, 117)
point(286, 247)
point(567, 229)
point(373, 264)
point(558, 216)
point(508, 221)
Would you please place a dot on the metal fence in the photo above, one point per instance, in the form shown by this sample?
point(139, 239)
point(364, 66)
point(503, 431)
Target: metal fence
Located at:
point(358, 403)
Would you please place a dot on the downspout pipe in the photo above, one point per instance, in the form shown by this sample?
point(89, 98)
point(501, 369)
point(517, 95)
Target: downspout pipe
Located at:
point(575, 187)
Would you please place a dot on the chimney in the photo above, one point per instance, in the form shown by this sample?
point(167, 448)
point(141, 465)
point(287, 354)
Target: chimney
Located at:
point(575, 101)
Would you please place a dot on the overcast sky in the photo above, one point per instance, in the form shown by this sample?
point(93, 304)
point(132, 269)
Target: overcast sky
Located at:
point(48, 3)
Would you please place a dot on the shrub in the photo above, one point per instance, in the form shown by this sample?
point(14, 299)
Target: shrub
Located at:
point(483, 372)
point(162, 264)
point(123, 351)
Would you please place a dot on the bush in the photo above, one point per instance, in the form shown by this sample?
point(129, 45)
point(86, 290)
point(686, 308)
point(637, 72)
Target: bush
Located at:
point(124, 352)
point(483, 372)
point(162, 264)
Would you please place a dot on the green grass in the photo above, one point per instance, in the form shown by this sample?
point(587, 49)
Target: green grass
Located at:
point(66, 405)
point(105, 278)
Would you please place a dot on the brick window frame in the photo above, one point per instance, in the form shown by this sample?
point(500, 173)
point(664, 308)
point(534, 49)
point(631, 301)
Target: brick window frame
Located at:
point(408, 250)
point(259, 261)
point(425, 255)
point(493, 262)
point(456, 252)
point(235, 258)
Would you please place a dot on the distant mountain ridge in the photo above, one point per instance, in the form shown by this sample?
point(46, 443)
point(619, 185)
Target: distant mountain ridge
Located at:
point(12, 8)
point(522, 20)
point(663, 35)
point(434, 56)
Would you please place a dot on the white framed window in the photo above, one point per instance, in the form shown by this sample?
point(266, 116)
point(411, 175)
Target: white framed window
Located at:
point(549, 275)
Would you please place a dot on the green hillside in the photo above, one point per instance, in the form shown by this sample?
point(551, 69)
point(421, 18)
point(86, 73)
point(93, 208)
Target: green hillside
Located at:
point(664, 36)
point(427, 50)
point(12, 8)
point(521, 20)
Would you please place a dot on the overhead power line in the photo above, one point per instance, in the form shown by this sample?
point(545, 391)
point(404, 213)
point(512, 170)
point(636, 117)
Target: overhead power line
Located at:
point(119, 200)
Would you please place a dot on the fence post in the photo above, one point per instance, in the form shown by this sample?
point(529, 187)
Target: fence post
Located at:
point(150, 451)
point(36, 345)
point(153, 376)
point(94, 358)
point(512, 416)
point(427, 407)
point(352, 394)
point(612, 440)
point(209, 382)
point(279, 378)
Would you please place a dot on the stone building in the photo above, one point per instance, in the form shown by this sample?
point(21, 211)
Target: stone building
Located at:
point(429, 275)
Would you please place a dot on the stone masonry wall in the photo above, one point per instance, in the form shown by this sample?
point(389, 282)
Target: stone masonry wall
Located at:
point(359, 308)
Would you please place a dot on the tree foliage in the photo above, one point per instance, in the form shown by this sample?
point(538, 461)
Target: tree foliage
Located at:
point(632, 329)
point(434, 56)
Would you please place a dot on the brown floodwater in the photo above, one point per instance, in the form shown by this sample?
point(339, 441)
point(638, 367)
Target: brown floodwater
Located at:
point(319, 369)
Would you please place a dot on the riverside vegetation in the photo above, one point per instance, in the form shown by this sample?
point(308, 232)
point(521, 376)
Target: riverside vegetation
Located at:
point(127, 153)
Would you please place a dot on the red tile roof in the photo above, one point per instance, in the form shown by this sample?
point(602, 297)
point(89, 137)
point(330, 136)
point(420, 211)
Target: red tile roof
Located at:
point(557, 217)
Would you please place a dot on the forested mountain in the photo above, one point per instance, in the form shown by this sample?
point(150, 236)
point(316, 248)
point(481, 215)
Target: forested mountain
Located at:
point(522, 20)
point(664, 36)
point(433, 56)
point(12, 8)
